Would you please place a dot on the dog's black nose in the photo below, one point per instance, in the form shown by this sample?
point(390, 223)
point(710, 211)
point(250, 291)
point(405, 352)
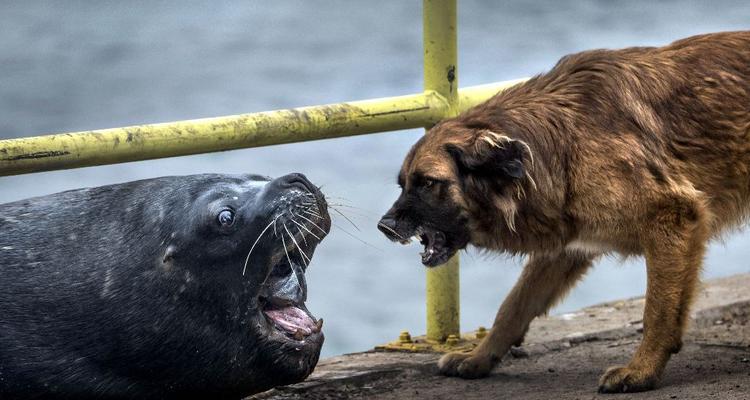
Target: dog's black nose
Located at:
point(387, 225)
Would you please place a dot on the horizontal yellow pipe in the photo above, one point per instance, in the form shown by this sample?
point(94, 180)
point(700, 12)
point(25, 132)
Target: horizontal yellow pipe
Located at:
point(473, 95)
point(144, 142)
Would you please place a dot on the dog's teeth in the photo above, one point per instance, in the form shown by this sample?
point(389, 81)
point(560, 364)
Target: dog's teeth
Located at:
point(319, 325)
point(299, 335)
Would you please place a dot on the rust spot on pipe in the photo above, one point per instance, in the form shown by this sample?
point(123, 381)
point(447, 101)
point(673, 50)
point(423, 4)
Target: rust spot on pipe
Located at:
point(406, 110)
point(451, 76)
point(37, 155)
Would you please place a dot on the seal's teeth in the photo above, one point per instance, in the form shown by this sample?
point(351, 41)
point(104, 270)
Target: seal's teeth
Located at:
point(299, 335)
point(318, 325)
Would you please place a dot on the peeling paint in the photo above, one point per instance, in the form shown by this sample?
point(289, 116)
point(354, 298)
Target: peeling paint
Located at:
point(398, 112)
point(37, 155)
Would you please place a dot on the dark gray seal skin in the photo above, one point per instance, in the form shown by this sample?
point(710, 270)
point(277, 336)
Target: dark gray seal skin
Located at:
point(137, 290)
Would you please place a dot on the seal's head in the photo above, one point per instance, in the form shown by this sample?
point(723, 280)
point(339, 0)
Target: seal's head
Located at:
point(174, 287)
point(241, 249)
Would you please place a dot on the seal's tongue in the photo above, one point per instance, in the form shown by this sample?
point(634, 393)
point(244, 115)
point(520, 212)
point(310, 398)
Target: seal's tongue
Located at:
point(293, 319)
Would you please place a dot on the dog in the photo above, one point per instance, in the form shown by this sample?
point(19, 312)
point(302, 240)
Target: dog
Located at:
point(639, 151)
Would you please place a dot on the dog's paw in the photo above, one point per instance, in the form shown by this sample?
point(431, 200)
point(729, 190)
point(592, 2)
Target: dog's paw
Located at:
point(627, 379)
point(465, 365)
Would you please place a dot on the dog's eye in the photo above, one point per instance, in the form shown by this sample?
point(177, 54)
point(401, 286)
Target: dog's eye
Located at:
point(226, 218)
point(428, 183)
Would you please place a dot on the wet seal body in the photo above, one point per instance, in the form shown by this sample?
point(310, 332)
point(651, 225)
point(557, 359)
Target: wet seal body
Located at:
point(175, 287)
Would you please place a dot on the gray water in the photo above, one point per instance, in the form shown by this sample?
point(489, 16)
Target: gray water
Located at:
point(78, 65)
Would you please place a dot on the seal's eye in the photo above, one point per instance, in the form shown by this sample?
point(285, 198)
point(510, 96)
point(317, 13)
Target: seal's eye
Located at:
point(226, 218)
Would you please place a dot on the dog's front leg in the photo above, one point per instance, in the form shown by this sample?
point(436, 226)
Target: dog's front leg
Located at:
point(545, 279)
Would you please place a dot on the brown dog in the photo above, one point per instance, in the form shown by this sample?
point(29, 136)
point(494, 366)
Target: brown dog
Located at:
point(641, 151)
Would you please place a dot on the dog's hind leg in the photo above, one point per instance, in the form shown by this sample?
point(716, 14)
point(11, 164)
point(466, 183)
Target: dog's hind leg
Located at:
point(546, 278)
point(674, 245)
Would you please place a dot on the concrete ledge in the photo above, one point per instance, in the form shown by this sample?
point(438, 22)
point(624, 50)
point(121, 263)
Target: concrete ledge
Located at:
point(563, 357)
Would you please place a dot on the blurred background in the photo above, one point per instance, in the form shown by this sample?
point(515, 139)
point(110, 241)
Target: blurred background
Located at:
point(78, 65)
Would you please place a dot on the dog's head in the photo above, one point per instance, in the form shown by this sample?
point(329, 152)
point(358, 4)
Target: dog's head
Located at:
point(455, 182)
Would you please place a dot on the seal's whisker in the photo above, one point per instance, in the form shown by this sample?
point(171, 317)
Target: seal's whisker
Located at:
point(347, 218)
point(306, 206)
point(256, 242)
point(313, 213)
point(340, 202)
point(354, 214)
point(312, 208)
point(350, 234)
point(298, 246)
point(354, 207)
point(308, 212)
point(305, 228)
point(308, 220)
point(303, 235)
point(337, 197)
point(283, 243)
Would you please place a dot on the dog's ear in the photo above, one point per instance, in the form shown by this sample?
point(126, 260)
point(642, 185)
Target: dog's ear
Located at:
point(491, 154)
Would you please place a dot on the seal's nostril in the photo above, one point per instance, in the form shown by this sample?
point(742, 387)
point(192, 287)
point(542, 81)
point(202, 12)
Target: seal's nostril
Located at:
point(299, 181)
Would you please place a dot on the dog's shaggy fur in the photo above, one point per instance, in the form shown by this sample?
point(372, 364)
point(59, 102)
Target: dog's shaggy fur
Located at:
point(640, 151)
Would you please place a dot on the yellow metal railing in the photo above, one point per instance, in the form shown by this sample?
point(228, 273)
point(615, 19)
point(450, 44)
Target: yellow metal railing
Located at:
point(441, 99)
point(441, 75)
point(145, 142)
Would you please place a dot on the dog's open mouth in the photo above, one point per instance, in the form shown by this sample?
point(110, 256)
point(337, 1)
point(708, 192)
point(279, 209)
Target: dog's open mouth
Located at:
point(436, 251)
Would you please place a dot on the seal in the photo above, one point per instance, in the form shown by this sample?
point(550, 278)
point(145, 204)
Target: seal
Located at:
point(174, 287)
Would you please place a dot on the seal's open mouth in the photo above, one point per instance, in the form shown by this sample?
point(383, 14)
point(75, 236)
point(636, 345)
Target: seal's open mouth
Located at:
point(294, 321)
point(283, 303)
point(300, 222)
point(284, 292)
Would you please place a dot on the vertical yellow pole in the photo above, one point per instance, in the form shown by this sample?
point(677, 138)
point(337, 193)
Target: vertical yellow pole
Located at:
point(440, 75)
